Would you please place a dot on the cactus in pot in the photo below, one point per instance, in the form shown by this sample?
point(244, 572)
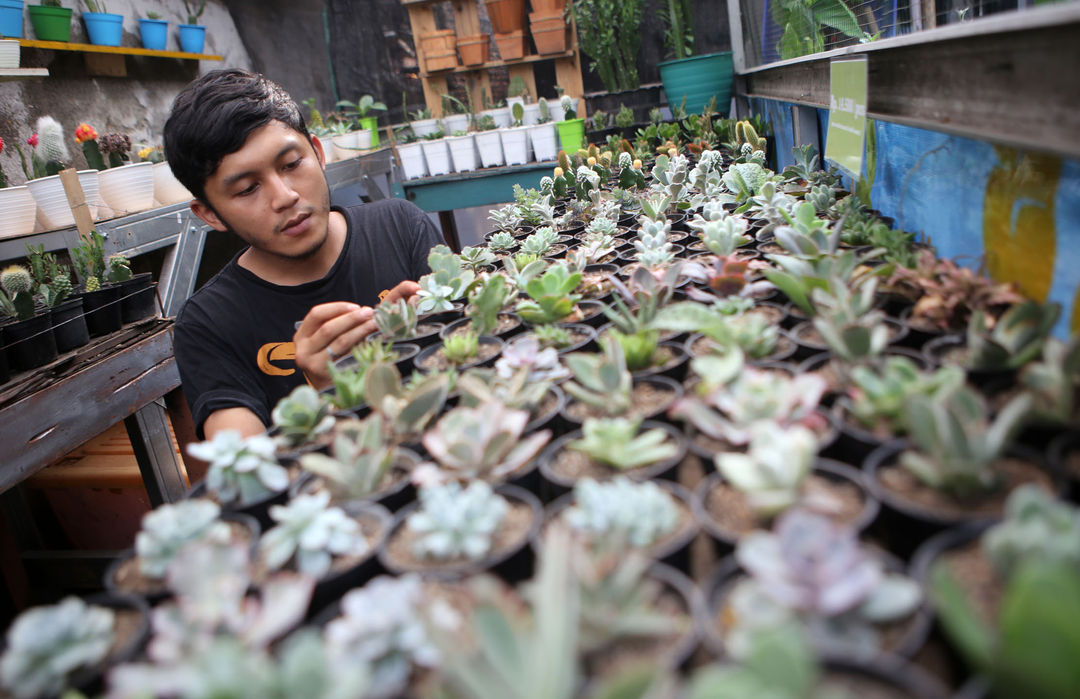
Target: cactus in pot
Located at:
point(18, 287)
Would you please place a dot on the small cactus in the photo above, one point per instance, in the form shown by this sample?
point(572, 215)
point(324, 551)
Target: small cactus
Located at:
point(51, 153)
point(92, 284)
point(19, 285)
point(119, 269)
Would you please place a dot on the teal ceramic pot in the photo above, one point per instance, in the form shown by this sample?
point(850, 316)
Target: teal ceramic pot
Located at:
point(698, 79)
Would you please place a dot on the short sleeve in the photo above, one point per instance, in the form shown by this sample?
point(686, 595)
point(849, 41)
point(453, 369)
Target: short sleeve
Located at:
point(427, 237)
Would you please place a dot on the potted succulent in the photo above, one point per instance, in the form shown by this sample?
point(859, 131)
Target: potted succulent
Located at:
point(411, 153)
point(423, 124)
point(193, 34)
point(50, 156)
point(489, 142)
point(515, 140)
point(571, 127)
point(543, 134)
point(436, 152)
point(53, 282)
point(244, 474)
point(51, 20)
point(125, 187)
point(689, 79)
point(102, 27)
point(29, 337)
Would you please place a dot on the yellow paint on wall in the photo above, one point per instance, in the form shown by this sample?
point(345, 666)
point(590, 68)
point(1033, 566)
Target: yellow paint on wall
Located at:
point(1018, 220)
point(1074, 325)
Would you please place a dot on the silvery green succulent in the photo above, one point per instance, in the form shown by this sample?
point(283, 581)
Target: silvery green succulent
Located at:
point(1054, 381)
point(301, 416)
point(310, 532)
point(1036, 527)
point(878, 394)
point(241, 470)
point(722, 237)
point(406, 408)
point(601, 381)
point(671, 176)
point(383, 627)
point(822, 197)
point(540, 242)
point(622, 510)
point(524, 353)
point(618, 443)
point(750, 333)
point(652, 246)
point(638, 302)
point(745, 180)
point(447, 282)
point(818, 572)
point(396, 320)
point(506, 219)
point(846, 320)
point(542, 213)
point(772, 471)
point(359, 458)
point(806, 236)
point(170, 527)
point(476, 258)
point(517, 392)
point(1015, 339)
point(486, 302)
point(483, 442)
point(600, 227)
point(455, 522)
point(770, 203)
point(502, 242)
point(45, 645)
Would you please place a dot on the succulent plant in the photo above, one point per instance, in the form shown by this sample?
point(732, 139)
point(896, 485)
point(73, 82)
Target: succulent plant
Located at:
point(846, 321)
point(1015, 339)
point(956, 444)
point(476, 258)
point(359, 458)
point(170, 527)
point(745, 180)
point(600, 227)
point(57, 289)
point(485, 303)
point(540, 242)
point(772, 471)
point(407, 409)
point(520, 269)
point(638, 302)
point(726, 276)
point(524, 354)
point(818, 572)
point(878, 394)
point(454, 522)
point(461, 347)
point(770, 203)
point(92, 284)
point(822, 197)
point(722, 237)
point(776, 662)
point(639, 514)
point(483, 442)
point(1054, 381)
point(396, 320)
point(17, 283)
point(639, 348)
point(551, 296)
point(50, 154)
point(383, 627)
point(310, 532)
point(617, 443)
point(119, 268)
point(601, 381)
point(806, 236)
point(301, 416)
point(1036, 528)
point(506, 219)
point(516, 392)
point(551, 335)
point(447, 282)
point(798, 277)
point(241, 469)
point(348, 382)
point(806, 167)
point(653, 248)
point(502, 242)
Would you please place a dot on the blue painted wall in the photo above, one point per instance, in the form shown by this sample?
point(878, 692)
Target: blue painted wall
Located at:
point(1016, 212)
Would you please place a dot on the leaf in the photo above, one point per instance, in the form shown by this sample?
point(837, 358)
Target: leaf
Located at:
point(961, 623)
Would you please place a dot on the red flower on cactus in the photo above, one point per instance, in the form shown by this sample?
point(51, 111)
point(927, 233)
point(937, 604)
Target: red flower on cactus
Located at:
point(32, 141)
point(1, 145)
point(85, 132)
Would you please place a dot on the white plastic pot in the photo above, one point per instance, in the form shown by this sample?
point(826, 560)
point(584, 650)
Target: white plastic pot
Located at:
point(128, 189)
point(463, 152)
point(490, 146)
point(456, 122)
point(545, 141)
point(18, 211)
point(532, 114)
point(515, 144)
point(423, 127)
point(344, 145)
point(52, 202)
point(412, 160)
point(555, 110)
point(167, 189)
point(9, 53)
point(437, 155)
point(500, 115)
point(363, 139)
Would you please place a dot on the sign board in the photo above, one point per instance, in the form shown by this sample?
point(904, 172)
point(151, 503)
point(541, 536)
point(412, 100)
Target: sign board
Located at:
point(846, 139)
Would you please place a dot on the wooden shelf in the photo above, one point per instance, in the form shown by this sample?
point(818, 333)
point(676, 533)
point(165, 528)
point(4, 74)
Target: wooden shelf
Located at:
point(9, 74)
point(535, 58)
point(115, 50)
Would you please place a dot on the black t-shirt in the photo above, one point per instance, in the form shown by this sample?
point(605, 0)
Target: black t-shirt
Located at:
point(233, 337)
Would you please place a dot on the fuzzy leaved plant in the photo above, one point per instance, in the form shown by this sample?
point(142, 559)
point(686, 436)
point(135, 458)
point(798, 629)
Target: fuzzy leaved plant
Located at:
point(621, 510)
point(18, 286)
point(601, 381)
point(169, 528)
point(956, 443)
point(745, 180)
point(772, 471)
point(551, 296)
point(483, 442)
point(1015, 339)
point(506, 219)
point(652, 247)
point(309, 533)
point(301, 416)
point(46, 645)
point(476, 258)
point(407, 409)
point(242, 470)
point(1036, 528)
point(618, 442)
point(455, 522)
point(359, 458)
point(815, 572)
point(724, 236)
point(447, 282)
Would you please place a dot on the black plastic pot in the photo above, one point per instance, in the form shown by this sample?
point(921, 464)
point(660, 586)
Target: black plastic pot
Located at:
point(69, 324)
point(30, 342)
point(513, 565)
point(662, 382)
point(136, 297)
point(259, 509)
point(504, 335)
point(393, 497)
point(102, 309)
point(406, 352)
point(431, 349)
point(5, 369)
point(935, 351)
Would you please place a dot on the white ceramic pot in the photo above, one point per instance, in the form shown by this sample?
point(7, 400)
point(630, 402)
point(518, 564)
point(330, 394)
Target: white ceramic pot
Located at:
point(515, 143)
point(9, 53)
point(532, 114)
point(437, 155)
point(344, 145)
point(128, 189)
point(500, 115)
point(52, 202)
point(167, 189)
point(423, 127)
point(412, 160)
point(363, 139)
point(18, 210)
point(490, 146)
point(545, 141)
point(463, 152)
point(456, 122)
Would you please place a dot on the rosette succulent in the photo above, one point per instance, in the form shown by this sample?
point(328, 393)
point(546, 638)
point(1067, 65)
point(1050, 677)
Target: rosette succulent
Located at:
point(773, 469)
point(169, 528)
point(359, 458)
point(638, 513)
point(447, 282)
point(455, 522)
point(301, 416)
point(241, 470)
point(483, 442)
point(618, 443)
point(524, 353)
point(310, 532)
point(1036, 527)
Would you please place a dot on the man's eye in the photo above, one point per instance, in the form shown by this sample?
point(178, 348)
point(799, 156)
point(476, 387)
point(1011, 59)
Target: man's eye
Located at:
point(250, 189)
point(294, 164)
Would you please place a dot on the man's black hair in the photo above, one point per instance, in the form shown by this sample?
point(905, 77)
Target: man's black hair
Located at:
point(213, 117)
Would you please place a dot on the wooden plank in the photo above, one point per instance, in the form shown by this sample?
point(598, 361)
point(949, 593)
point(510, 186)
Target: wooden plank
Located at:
point(119, 50)
point(9, 74)
point(525, 71)
point(530, 59)
point(466, 18)
point(161, 466)
point(109, 65)
point(77, 201)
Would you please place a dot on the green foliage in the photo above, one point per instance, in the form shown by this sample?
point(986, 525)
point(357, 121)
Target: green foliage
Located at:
point(485, 441)
point(639, 347)
point(624, 118)
point(301, 416)
point(397, 320)
point(119, 268)
point(447, 282)
point(678, 19)
point(18, 286)
point(601, 381)
point(89, 257)
point(879, 394)
point(550, 296)
point(461, 346)
point(1036, 528)
point(359, 458)
point(609, 32)
point(804, 23)
point(485, 303)
point(194, 9)
point(406, 409)
point(617, 443)
point(1014, 340)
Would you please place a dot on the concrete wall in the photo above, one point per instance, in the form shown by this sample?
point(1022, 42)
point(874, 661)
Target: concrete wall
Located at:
point(136, 105)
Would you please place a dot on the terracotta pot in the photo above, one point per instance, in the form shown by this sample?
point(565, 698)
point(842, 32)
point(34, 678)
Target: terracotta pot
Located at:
point(475, 50)
point(548, 7)
point(506, 16)
point(438, 40)
point(549, 34)
point(511, 45)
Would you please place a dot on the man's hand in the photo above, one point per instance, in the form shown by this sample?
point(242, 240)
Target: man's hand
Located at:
point(404, 290)
point(330, 330)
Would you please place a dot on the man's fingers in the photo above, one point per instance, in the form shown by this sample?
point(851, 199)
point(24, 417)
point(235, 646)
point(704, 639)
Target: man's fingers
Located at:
point(346, 341)
point(403, 290)
point(325, 312)
point(321, 336)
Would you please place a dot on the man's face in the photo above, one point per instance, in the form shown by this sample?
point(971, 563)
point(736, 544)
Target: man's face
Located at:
point(272, 193)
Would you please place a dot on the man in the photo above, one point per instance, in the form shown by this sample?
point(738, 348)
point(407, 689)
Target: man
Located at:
point(238, 142)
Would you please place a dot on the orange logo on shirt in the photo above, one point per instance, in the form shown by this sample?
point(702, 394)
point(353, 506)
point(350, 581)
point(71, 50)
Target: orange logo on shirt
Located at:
point(276, 352)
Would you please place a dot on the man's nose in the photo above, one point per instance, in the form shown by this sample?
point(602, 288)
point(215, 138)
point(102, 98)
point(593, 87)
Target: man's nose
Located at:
point(282, 193)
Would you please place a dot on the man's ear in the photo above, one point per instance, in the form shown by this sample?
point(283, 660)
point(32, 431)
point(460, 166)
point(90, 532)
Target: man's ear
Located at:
point(319, 152)
point(208, 215)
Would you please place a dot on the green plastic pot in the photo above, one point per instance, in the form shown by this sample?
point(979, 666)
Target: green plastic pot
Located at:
point(698, 79)
point(371, 124)
point(51, 23)
point(571, 134)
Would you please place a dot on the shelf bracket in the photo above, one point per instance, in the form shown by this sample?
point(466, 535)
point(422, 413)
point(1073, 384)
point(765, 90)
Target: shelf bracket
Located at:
point(110, 65)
